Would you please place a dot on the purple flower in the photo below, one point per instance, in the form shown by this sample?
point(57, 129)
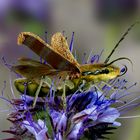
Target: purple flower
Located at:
point(73, 135)
point(38, 129)
point(85, 113)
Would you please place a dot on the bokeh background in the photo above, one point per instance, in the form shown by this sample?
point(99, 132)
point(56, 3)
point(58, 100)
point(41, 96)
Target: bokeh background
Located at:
point(98, 25)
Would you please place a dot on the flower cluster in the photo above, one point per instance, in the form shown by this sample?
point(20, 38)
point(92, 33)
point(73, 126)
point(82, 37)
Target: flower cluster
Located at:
point(87, 114)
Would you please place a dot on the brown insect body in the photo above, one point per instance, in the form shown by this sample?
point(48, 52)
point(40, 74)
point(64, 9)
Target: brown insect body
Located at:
point(61, 64)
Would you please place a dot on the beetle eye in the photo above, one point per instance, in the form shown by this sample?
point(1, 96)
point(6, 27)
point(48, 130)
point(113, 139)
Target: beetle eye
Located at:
point(105, 71)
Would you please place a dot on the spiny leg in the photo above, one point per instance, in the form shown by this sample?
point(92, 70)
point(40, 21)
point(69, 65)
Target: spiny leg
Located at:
point(45, 80)
point(37, 92)
point(49, 82)
point(64, 95)
point(69, 84)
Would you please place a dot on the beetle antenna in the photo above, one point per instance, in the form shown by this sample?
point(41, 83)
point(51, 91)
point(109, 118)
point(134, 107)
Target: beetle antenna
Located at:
point(122, 38)
point(121, 58)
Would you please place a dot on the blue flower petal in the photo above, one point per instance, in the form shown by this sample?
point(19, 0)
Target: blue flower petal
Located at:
point(42, 129)
point(73, 135)
point(109, 115)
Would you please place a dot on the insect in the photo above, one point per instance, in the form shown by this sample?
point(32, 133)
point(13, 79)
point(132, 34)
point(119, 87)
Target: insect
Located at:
point(61, 64)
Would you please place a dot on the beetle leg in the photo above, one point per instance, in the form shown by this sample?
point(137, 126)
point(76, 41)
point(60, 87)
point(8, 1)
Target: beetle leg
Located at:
point(64, 95)
point(37, 92)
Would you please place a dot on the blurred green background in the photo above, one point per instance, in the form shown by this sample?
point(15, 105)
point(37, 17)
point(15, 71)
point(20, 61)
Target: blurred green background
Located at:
point(98, 25)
